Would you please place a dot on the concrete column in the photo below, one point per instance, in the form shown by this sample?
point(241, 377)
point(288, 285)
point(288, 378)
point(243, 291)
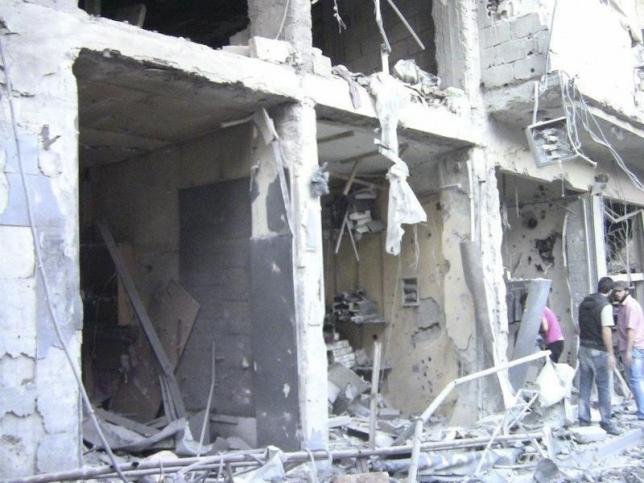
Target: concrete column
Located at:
point(298, 130)
point(288, 20)
point(458, 59)
point(457, 46)
point(303, 297)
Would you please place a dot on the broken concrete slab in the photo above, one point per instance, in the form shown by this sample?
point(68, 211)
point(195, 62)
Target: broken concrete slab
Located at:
point(270, 50)
point(588, 434)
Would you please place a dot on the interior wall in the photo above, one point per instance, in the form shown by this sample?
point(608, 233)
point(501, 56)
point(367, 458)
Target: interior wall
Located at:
point(358, 47)
point(420, 353)
point(139, 199)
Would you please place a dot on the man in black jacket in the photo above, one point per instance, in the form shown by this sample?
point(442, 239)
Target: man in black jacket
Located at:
point(596, 358)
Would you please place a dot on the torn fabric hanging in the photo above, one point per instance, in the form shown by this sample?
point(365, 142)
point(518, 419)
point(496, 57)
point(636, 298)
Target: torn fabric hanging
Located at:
point(266, 127)
point(404, 207)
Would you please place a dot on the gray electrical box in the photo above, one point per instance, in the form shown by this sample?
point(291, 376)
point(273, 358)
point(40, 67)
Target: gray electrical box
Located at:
point(549, 142)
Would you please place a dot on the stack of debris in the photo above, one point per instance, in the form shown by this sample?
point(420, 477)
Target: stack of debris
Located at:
point(356, 307)
point(360, 216)
point(340, 352)
point(520, 444)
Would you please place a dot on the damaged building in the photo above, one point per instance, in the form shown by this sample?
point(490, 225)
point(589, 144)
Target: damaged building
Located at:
point(308, 226)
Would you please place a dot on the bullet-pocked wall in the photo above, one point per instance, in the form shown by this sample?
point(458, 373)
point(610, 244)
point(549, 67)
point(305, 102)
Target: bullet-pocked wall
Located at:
point(358, 45)
point(420, 357)
point(534, 214)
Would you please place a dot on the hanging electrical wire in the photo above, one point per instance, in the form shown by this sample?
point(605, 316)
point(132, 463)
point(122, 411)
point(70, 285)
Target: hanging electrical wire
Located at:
point(578, 111)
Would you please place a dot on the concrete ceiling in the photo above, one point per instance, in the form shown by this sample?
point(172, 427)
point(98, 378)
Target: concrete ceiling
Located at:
point(128, 108)
point(341, 145)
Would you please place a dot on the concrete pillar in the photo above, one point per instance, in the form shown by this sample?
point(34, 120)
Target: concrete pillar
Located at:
point(458, 59)
point(303, 297)
point(39, 398)
point(288, 20)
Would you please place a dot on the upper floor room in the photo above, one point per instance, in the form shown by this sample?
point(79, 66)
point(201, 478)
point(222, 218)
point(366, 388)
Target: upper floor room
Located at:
point(595, 43)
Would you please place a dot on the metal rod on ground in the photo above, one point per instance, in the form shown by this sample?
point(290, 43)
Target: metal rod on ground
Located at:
point(413, 468)
point(206, 416)
point(406, 24)
point(375, 382)
point(172, 466)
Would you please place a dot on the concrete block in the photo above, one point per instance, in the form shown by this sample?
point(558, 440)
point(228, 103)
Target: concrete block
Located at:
point(511, 51)
point(530, 67)
point(17, 390)
point(17, 252)
point(527, 25)
point(322, 64)
point(498, 75)
point(488, 58)
point(270, 50)
point(18, 317)
point(497, 33)
point(541, 41)
point(588, 434)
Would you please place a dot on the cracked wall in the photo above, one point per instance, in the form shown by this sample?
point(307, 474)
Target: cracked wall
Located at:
point(38, 387)
point(516, 40)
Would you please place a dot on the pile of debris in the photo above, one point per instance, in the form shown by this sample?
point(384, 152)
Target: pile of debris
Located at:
point(356, 307)
point(534, 439)
point(340, 351)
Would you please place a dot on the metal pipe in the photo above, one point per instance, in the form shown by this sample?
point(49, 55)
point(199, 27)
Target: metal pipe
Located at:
point(373, 403)
point(173, 466)
point(406, 24)
point(424, 417)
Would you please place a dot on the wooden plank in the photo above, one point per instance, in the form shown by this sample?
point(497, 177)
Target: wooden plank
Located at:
point(127, 423)
point(144, 319)
point(124, 308)
point(174, 312)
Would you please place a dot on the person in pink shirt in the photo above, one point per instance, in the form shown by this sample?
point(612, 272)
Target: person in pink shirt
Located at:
point(630, 331)
point(551, 333)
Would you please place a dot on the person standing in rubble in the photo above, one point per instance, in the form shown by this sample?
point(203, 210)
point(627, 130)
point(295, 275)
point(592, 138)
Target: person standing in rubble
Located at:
point(630, 331)
point(549, 330)
point(551, 333)
point(596, 357)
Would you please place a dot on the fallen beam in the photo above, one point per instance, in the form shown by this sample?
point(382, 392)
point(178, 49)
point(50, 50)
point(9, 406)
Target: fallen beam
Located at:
point(143, 318)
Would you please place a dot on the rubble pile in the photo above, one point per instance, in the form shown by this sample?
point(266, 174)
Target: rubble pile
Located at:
point(356, 307)
point(524, 443)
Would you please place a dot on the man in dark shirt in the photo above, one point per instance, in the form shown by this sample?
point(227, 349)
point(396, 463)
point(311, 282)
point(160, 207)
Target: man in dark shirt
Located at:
point(596, 358)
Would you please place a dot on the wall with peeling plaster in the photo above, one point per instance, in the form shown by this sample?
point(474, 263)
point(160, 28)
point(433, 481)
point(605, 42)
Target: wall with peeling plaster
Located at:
point(39, 400)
